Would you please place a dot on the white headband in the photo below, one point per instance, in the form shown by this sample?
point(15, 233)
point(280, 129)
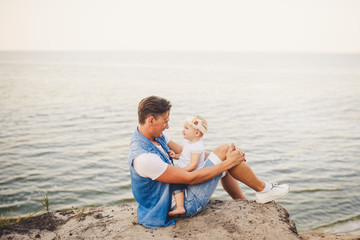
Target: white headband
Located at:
point(197, 124)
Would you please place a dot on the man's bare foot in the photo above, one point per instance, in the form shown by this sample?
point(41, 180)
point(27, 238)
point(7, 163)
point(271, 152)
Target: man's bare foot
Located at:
point(177, 211)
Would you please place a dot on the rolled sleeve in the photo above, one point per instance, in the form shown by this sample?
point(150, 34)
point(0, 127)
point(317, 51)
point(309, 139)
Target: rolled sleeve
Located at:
point(149, 165)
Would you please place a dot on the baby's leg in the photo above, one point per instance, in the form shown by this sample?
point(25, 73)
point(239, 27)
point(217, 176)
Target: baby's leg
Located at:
point(179, 199)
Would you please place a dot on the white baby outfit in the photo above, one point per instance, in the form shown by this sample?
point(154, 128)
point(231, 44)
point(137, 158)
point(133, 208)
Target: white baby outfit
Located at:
point(188, 148)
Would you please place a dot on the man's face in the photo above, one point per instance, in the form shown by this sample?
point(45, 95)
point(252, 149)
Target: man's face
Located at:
point(161, 124)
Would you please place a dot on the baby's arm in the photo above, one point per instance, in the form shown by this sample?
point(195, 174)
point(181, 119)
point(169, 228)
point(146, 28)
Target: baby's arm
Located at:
point(195, 158)
point(177, 148)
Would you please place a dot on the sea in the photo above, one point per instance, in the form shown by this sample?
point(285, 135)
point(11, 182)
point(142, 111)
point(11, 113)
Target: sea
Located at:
point(66, 119)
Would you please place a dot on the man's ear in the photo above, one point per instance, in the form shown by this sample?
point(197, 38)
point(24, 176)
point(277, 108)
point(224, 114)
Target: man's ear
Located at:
point(150, 120)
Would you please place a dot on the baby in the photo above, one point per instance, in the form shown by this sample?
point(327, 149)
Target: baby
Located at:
point(191, 158)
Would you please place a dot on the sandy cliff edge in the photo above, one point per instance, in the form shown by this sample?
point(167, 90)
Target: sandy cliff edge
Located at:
point(219, 220)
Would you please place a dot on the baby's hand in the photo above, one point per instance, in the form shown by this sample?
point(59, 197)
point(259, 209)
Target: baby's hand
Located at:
point(172, 153)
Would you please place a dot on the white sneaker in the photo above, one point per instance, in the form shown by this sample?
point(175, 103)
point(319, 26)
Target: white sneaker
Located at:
point(277, 191)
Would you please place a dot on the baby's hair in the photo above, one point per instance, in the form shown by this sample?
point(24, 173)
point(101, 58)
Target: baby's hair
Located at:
point(199, 123)
point(204, 122)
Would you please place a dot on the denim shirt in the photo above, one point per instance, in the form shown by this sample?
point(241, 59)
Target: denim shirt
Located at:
point(154, 197)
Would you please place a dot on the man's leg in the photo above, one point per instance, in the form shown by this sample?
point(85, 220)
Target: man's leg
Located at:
point(231, 186)
point(245, 174)
point(198, 195)
point(241, 172)
point(265, 191)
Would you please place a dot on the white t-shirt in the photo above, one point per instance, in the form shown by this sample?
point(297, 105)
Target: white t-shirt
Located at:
point(149, 164)
point(188, 149)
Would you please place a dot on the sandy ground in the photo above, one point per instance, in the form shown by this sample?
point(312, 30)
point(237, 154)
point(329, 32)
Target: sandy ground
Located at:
point(220, 220)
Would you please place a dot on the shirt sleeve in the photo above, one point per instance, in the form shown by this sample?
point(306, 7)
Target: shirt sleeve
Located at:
point(149, 165)
point(167, 139)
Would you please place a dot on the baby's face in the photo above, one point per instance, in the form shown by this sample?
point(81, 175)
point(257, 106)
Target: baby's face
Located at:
point(189, 132)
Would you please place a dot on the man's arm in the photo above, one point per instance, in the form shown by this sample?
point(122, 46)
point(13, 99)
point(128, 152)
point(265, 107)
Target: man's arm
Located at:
point(174, 174)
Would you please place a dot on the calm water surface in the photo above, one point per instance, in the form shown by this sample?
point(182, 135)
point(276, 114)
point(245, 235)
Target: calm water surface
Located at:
point(66, 119)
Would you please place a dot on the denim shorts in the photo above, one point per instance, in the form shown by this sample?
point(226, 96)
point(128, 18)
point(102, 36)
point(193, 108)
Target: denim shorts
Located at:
point(198, 195)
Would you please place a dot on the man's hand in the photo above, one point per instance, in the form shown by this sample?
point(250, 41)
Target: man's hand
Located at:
point(235, 155)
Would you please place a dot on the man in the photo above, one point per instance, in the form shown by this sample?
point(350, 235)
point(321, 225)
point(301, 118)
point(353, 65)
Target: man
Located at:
point(152, 170)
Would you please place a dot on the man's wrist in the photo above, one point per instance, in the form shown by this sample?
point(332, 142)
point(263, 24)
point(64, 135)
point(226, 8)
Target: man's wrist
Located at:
point(225, 165)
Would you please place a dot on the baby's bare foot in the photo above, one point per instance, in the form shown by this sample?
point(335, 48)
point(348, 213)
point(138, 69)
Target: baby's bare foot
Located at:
point(177, 211)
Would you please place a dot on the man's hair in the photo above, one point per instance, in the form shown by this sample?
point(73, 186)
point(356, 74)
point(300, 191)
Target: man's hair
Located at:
point(152, 106)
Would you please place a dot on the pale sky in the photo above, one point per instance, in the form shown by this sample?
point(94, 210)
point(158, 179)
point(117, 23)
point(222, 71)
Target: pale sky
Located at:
point(330, 26)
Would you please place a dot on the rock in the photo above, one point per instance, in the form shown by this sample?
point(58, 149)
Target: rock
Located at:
point(219, 220)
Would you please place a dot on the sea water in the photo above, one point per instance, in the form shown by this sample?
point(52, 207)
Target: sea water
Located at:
point(66, 119)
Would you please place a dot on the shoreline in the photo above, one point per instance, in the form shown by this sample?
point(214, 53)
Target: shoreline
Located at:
point(221, 219)
point(318, 235)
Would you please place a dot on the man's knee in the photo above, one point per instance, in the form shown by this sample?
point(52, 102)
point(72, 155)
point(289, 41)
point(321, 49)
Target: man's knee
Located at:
point(221, 151)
